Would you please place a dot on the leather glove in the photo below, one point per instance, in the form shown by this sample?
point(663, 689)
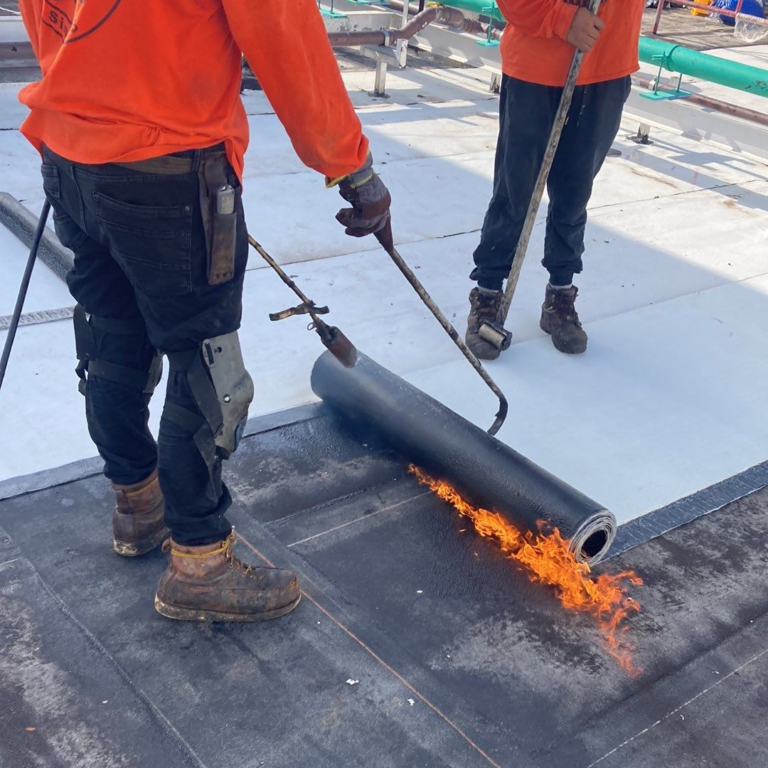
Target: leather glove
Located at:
point(370, 202)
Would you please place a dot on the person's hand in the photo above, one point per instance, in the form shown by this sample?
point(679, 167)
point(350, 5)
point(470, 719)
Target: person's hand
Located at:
point(370, 201)
point(585, 30)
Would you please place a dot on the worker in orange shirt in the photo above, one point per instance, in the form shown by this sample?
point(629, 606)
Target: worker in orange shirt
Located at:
point(142, 133)
point(536, 51)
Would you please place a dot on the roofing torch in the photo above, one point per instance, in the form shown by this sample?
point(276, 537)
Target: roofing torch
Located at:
point(344, 350)
point(494, 332)
point(333, 339)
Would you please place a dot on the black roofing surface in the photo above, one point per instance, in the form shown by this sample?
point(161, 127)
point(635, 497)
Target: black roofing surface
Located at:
point(457, 659)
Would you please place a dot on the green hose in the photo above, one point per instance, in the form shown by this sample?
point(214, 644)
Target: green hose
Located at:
point(674, 58)
point(684, 61)
point(483, 7)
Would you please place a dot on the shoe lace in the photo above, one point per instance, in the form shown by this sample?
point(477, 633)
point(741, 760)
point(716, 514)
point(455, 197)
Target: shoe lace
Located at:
point(564, 305)
point(234, 561)
point(225, 549)
point(487, 307)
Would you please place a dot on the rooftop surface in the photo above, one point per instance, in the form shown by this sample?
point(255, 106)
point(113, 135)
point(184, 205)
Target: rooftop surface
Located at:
point(669, 398)
point(417, 643)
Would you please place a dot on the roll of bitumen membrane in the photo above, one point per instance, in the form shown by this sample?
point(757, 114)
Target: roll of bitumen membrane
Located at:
point(485, 471)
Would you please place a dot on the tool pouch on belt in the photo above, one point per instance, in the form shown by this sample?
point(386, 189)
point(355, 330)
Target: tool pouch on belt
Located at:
point(218, 206)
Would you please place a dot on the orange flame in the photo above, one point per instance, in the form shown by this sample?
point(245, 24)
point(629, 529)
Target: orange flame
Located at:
point(547, 560)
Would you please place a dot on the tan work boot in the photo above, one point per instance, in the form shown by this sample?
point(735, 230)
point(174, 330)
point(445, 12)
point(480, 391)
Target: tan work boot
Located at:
point(483, 307)
point(209, 583)
point(137, 522)
point(560, 319)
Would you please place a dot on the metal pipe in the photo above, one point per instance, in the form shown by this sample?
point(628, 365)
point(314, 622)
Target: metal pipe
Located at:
point(352, 39)
point(726, 108)
point(451, 17)
point(386, 36)
point(684, 61)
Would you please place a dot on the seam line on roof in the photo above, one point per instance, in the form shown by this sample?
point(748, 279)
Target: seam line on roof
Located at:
point(165, 724)
point(680, 193)
point(357, 520)
point(383, 663)
point(678, 709)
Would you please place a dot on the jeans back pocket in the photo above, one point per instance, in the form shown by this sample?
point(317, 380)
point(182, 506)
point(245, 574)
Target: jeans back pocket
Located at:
point(152, 243)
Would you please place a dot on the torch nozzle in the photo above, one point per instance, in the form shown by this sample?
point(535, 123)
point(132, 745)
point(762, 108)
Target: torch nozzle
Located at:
point(338, 345)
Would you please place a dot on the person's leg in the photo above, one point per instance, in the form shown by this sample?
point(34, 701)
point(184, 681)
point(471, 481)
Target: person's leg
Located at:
point(111, 339)
point(118, 367)
point(156, 219)
point(150, 224)
point(592, 126)
point(526, 113)
point(593, 123)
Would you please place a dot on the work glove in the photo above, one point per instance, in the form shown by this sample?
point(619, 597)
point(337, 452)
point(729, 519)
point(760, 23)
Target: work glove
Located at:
point(370, 200)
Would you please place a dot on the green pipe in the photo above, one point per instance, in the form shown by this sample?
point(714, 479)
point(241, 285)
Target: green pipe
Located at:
point(684, 61)
point(483, 7)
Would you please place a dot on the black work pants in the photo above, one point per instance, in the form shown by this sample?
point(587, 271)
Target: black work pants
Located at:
point(140, 277)
point(527, 112)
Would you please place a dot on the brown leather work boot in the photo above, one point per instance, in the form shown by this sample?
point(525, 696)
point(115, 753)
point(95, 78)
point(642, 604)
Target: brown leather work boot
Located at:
point(483, 306)
point(560, 320)
point(209, 583)
point(137, 522)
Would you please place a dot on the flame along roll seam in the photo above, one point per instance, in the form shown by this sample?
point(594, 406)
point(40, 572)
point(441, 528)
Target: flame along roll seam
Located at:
point(488, 473)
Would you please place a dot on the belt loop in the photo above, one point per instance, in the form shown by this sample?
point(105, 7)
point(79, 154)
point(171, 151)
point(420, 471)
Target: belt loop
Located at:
point(196, 158)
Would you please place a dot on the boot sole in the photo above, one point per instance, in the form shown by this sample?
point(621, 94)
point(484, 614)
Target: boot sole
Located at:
point(138, 548)
point(192, 614)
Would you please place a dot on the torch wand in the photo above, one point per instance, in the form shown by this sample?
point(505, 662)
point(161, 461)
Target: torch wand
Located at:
point(333, 339)
point(385, 238)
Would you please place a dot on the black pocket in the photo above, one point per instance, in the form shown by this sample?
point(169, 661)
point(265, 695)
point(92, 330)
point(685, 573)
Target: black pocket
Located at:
point(152, 243)
point(51, 184)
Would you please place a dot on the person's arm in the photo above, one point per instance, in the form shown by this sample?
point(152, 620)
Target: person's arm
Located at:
point(539, 18)
point(287, 48)
point(554, 18)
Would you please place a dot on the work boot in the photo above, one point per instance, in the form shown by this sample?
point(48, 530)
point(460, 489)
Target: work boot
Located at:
point(484, 307)
point(560, 320)
point(137, 522)
point(209, 583)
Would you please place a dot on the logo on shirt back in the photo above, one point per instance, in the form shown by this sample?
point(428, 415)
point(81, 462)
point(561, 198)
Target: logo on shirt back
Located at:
point(73, 20)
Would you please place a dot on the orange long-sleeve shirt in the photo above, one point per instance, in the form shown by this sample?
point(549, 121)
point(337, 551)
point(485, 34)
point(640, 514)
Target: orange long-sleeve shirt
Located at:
point(127, 80)
point(533, 46)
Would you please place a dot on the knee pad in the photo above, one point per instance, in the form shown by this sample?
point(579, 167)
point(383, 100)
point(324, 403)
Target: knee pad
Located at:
point(91, 364)
point(222, 390)
point(233, 385)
